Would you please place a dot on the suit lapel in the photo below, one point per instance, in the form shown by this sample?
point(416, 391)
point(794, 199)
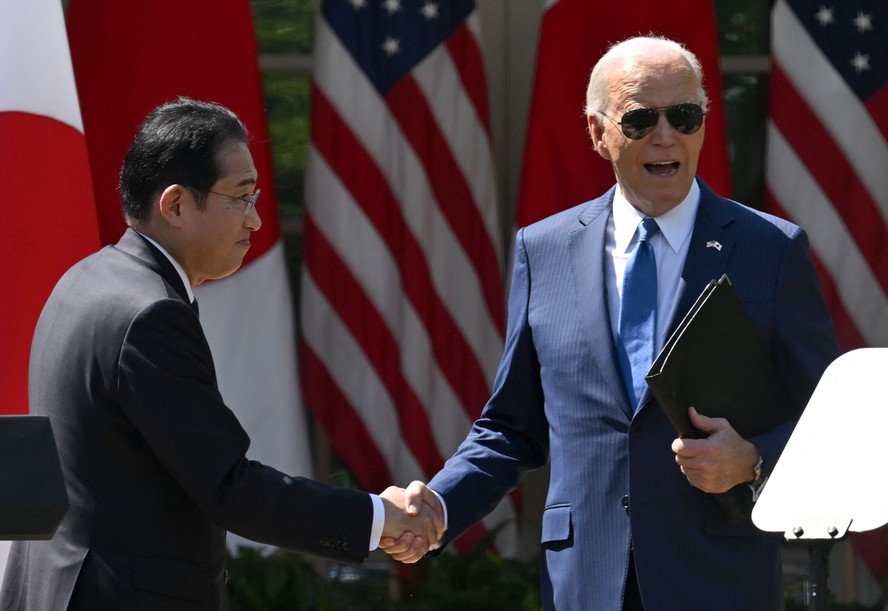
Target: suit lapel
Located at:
point(712, 243)
point(586, 245)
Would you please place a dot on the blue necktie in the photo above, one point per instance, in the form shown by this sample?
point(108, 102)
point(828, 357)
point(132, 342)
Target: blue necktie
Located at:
point(195, 307)
point(638, 313)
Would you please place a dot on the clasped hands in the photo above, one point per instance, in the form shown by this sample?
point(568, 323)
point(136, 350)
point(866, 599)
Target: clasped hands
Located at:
point(414, 521)
point(414, 517)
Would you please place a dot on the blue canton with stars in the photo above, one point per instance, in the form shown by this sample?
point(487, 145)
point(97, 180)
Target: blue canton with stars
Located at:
point(853, 35)
point(387, 38)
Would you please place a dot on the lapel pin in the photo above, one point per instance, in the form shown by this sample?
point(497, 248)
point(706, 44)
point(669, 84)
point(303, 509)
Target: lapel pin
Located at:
point(713, 244)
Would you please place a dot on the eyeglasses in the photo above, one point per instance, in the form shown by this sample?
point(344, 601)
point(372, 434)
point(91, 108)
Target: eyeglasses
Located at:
point(638, 123)
point(249, 201)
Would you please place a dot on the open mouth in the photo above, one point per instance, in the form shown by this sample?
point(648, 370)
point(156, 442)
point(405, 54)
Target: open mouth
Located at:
point(662, 169)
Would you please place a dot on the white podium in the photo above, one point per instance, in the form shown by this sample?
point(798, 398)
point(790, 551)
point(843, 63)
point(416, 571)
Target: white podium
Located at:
point(831, 477)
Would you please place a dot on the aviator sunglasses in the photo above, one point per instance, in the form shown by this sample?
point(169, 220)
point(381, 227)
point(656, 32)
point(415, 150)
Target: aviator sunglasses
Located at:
point(638, 123)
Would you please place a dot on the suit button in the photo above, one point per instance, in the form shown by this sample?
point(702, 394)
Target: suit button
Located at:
point(625, 502)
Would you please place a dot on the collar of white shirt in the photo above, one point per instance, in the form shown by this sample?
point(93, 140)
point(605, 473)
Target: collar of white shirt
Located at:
point(181, 270)
point(676, 225)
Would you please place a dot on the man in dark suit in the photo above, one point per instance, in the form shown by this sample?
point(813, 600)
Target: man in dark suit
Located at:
point(631, 519)
point(153, 460)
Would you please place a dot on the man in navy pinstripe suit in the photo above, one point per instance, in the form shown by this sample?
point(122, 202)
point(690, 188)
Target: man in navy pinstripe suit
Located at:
point(631, 520)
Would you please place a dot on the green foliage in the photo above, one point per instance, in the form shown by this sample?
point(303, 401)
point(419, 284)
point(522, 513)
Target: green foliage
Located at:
point(287, 581)
point(744, 26)
point(279, 582)
point(480, 581)
point(283, 26)
point(286, 108)
point(284, 37)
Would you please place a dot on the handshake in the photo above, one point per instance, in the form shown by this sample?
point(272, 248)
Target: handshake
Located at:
point(414, 521)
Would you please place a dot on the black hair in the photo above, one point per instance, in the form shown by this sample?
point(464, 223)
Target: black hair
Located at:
point(178, 143)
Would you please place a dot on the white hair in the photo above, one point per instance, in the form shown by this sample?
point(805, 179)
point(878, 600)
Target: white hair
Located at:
point(597, 91)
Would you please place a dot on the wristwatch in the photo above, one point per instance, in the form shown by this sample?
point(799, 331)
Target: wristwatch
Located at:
point(757, 471)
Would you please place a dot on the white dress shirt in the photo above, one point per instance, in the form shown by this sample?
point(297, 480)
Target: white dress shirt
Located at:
point(670, 246)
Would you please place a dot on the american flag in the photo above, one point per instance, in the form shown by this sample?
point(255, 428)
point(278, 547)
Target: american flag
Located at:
point(827, 165)
point(402, 311)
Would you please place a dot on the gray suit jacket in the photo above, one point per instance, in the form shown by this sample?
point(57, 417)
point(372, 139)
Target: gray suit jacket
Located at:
point(153, 460)
point(613, 484)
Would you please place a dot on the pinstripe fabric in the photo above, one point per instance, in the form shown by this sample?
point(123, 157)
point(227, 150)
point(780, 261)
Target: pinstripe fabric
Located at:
point(558, 395)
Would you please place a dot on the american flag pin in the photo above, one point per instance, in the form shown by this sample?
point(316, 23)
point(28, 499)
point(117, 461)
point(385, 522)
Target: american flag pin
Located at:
point(713, 244)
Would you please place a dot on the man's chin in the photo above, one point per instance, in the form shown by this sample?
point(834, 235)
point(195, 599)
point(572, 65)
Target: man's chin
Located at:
point(228, 273)
point(222, 273)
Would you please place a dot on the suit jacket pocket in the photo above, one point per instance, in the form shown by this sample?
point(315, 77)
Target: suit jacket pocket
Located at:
point(557, 528)
point(175, 578)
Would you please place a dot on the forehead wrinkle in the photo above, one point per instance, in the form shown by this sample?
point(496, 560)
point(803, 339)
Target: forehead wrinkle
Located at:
point(638, 77)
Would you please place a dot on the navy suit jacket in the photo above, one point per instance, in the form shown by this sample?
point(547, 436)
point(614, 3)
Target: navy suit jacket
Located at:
point(153, 460)
point(558, 396)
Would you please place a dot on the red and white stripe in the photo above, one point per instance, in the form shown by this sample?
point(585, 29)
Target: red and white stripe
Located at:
point(827, 158)
point(402, 303)
point(826, 170)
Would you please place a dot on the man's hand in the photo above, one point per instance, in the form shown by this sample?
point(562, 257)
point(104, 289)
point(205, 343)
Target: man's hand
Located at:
point(720, 461)
point(414, 520)
point(418, 494)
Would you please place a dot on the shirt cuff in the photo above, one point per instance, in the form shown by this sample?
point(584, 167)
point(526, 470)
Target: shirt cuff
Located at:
point(378, 521)
point(437, 544)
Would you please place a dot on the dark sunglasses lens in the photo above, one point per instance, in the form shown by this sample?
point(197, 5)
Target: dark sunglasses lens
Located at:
point(636, 124)
point(686, 118)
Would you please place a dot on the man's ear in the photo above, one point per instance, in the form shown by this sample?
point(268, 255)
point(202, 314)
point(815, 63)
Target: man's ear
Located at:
point(596, 132)
point(170, 204)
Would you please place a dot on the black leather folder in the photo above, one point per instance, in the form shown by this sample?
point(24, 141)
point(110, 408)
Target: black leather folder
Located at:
point(33, 497)
point(715, 361)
